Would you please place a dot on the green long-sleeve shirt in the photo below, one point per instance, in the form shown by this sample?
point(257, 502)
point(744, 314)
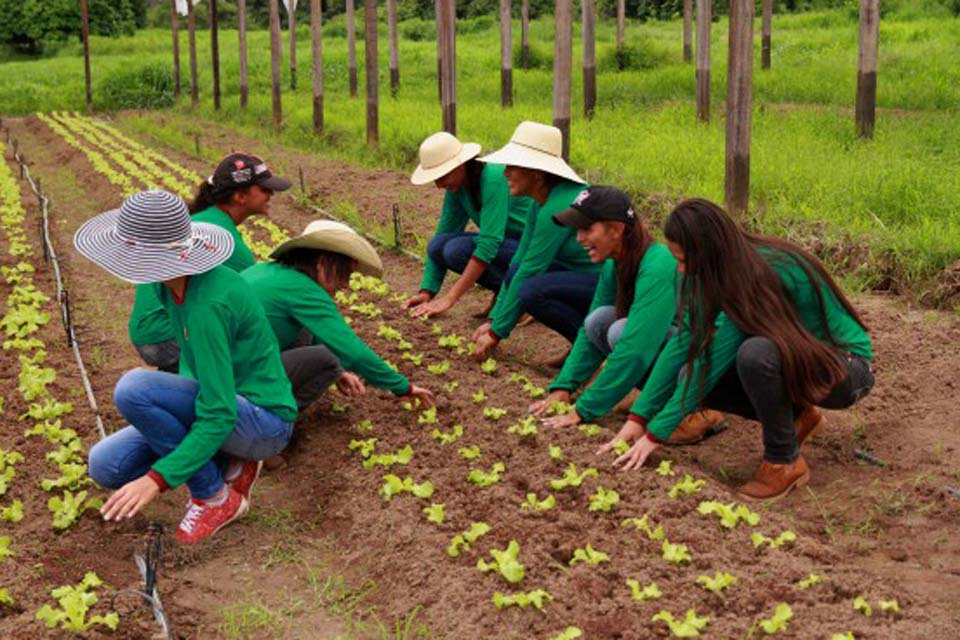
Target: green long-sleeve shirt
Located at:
point(648, 321)
point(149, 323)
point(664, 401)
point(292, 301)
point(226, 340)
point(500, 216)
point(541, 244)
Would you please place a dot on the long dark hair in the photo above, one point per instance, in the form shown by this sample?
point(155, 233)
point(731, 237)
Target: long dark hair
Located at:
point(724, 271)
point(636, 241)
point(472, 182)
point(305, 261)
point(207, 196)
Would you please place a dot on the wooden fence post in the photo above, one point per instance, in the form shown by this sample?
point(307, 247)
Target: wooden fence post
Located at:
point(765, 33)
point(739, 106)
point(371, 72)
point(562, 62)
point(621, 23)
point(589, 59)
point(192, 38)
point(175, 28)
point(687, 30)
point(275, 55)
point(292, 30)
point(352, 48)
point(703, 60)
point(316, 48)
point(867, 67)
point(242, 35)
point(394, 47)
point(438, 21)
point(85, 34)
point(215, 53)
point(506, 55)
point(525, 34)
point(448, 31)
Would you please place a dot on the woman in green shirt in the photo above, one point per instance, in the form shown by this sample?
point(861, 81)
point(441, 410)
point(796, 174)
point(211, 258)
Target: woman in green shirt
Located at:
point(296, 292)
point(551, 277)
point(475, 192)
point(766, 334)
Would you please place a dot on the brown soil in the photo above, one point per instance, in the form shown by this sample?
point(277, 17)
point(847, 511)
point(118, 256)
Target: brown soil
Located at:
point(880, 532)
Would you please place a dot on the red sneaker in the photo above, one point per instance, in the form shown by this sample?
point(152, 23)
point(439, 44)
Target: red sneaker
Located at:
point(203, 520)
point(244, 480)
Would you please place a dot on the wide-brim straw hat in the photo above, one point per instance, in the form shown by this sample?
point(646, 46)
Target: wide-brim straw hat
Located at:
point(151, 238)
point(338, 238)
point(440, 154)
point(535, 146)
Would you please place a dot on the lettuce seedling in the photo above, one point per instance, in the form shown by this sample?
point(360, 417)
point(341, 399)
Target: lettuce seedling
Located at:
point(590, 430)
point(428, 416)
point(687, 486)
point(7, 469)
point(73, 475)
point(436, 329)
point(493, 413)
point(665, 468)
point(451, 386)
point(452, 341)
point(556, 453)
point(365, 425)
point(68, 508)
point(525, 427)
point(536, 598)
point(675, 553)
point(860, 604)
point(642, 524)
point(416, 359)
point(448, 437)
point(75, 602)
point(718, 582)
point(482, 478)
point(604, 499)
point(402, 456)
point(411, 405)
point(759, 539)
point(439, 368)
point(5, 599)
point(488, 366)
point(13, 513)
point(620, 447)
point(809, 581)
point(52, 431)
point(49, 410)
point(463, 541)
point(340, 407)
point(570, 633)
point(843, 636)
point(435, 513)
point(366, 447)
point(889, 606)
point(506, 562)
point(469, 453)
point(367, 309)
point(532, 504)
point(730, 514)
point(559, 408)
point(689, 627)
point(389, 333)
point(404, 345)
point(346, 299)
point(641, 593)
point(589, 555)
point(393, 485)
point(479, 397)
point(5, 551)
point(519, 378)
point(571, 478)
point(779, 621)
point(533, 390)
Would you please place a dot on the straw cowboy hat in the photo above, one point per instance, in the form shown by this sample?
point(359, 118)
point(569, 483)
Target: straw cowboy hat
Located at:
point(535, 146)
point(338, 238)
point(440, 154)
point(150, 238)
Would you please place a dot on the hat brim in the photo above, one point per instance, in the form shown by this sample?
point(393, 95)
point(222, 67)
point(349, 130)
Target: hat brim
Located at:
point(348, 243)
point(275, 183)
point(517, 155)
point(573, 218)
point(139, 263)
point(423, 176)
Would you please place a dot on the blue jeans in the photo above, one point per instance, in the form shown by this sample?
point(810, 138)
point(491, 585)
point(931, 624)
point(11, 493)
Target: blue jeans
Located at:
point(604, 329)
point(160, 409)
point(559, 298)
point(453, 251)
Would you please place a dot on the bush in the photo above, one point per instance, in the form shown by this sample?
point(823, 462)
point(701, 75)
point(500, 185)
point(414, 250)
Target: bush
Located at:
point(641, 54)
point(474, 25)
point(418, 30)
point(27, 25)
point(146, 87)
point(541, 56)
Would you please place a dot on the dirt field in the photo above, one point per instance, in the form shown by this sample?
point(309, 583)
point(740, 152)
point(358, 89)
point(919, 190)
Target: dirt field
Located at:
point(322, 554)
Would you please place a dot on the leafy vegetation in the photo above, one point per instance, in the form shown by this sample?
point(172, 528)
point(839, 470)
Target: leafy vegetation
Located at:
point(462, 542)
point(604, 499)
point(730, 514)
point(641, 593)
point(393, 485)
point(506, 562)
point(483, 478)
point(779, 621)
point(718, 582)
point(689, 627)
point(75, 602)
point(572, 478)
point(687, 486)
point(588, 555)
point(784, 538)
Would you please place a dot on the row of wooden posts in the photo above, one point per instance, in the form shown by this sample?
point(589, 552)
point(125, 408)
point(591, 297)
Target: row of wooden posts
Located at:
point(739, 68)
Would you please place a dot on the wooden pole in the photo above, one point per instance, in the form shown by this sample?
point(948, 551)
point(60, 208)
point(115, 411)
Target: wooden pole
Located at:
point(372, 72)
point(506, 55)
point(562, 62)
point(525, 34)
point(739, 106)
point(448, 29)
point(275, 55)
point(292, 29)
point(394, 47)
point(215, 53)
point(192, 38)
point(687, 30)
point(352, 49)
point(621, 23)
point(589, 59)
point(703, 60)
point(242, 34)
point(316, 48)
point(175, 28)
point(85, 33)
point(438, 12)
point(867, 69)
point(765, 33)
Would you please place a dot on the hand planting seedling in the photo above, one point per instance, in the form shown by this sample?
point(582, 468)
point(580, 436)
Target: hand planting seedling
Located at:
point(479, 397)
point(570, 633)
point(759, 539)
point(689, 627)
point(675, 553)
point(687, 486)
point(573, 479)
point(525, 428)
point(779, 621)
point(642, 524)
point(604, 499)
point(428, 416)
point(75, 602)
point(665, 468)
point(718, 582)
point(536, 598)
point(435, 513)
point(439, 368)
point(809, 581)
point(393, 485)
point(589, 555)
point(641, 593)
point(463, 541)
point(448, 437)
point(493, 413)
point(532, 504)
point(488, 366)
point(506, 562)
point(590, 430)
point(482, 478)
point(469, 453)
point(556, 453)
point(730, 514)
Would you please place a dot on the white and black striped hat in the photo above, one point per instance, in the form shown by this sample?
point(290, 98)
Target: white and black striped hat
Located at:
point(150, 238)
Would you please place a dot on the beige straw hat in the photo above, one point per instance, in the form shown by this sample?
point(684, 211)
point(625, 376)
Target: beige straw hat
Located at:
point(440, 154)
point(338, 238)
point(535, 146)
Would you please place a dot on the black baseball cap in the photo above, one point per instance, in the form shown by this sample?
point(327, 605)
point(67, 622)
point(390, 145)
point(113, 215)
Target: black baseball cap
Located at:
point(594, 204)
point(241, 170)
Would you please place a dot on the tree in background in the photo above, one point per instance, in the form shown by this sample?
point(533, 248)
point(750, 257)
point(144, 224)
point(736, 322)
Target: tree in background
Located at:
point(29, 25)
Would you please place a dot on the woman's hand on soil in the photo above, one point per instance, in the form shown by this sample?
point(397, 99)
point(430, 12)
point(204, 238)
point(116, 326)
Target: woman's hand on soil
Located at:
point(417, 299)
point(483, 345)
point(351, 385)
point(482, 330)
point(630, 432)
point(425, 396)
point(540, 407)
point(129, 499)
point(637, 455)
point(432, 308)
point(565, 420)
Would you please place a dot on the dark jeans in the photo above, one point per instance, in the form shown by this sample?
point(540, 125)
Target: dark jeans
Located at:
point(755, 389)
point(559, 298)
point(311, 371)
point(453, 251)
point(165, 356)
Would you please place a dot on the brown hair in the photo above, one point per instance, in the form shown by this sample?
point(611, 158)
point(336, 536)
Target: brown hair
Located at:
point(207, 196)
point(305, 261)
point(474, 169)
point(727, 269)
point(636, 240)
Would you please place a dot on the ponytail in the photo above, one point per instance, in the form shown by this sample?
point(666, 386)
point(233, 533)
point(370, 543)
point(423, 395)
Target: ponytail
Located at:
point(207, 196)
point(636, 241)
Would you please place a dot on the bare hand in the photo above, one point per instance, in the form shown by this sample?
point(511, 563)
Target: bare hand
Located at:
point(129, 499)
point(540, 407)
point(432, 308)
point(565, 420)
point(351, 385)
point(417, 300)
point(482, 330)
point(637, 455)
point(630, 432)
point(483, 345)
point(419, 393)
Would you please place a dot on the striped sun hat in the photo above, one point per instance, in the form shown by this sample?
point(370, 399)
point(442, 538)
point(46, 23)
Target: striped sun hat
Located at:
point(150, 238)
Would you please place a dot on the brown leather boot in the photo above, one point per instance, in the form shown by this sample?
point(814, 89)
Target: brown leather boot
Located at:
point(773, 481)
point(809, 423)
point(697, 426)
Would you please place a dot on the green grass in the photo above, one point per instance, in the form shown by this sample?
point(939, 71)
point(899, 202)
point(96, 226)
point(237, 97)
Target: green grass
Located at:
point(883, 211)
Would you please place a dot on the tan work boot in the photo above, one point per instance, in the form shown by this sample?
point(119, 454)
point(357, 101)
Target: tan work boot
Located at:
point(773, 481)
point(809, 423)
point(696, 426)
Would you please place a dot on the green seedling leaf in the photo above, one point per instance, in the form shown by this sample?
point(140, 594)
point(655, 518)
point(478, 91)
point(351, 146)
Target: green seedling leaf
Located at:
point(718, 582)
point(367, 309)
point(493, 413)
point(642, 524)
point(843, 636)
point(452, 341)
point(759, 539)
point(366, 447)
point(436, 329)
point(5, 551)
point(52, 431)
point(809, 581)
point(507, 562)
point(559, 408)
point(689, 627)
point(536, 598)
point(73, 476)
point(488, 366)
point(435, 513)
point(620, 447)
point(469, 453)
point(451, 386)
point(402, 456)
point(483, 478)
point(641, 593)
point(889, 606)
point(589, 555)
point(388, 332)
point(556, 453)
point(479, 397)
point(339, 407)
point(665, 468)
point(730, 514)
point(860, 604)
point(428, 416)
point(365, 425)
point(571, 478)
point(463, 541)
point(590, 430)
point(69, 507)
point(533, 390)
point(449, 437)
point(604, 499)
point(532, 504)
point(49, 410)
point(75, 602)
point(393, 485)
point(13, 513)
point(525, 428)
point(687, 486)
point(675, 553)
point(411, 405)
point(570, 633)
point(5, 598)
point(416, 359)
point(439, 368)
point(779, 622)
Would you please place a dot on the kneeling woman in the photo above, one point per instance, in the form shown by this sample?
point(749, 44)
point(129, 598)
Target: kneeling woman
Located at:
point(297, 293)
point(767, 334)
point(630, 317)
point(211, 431)
point(475, 192)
